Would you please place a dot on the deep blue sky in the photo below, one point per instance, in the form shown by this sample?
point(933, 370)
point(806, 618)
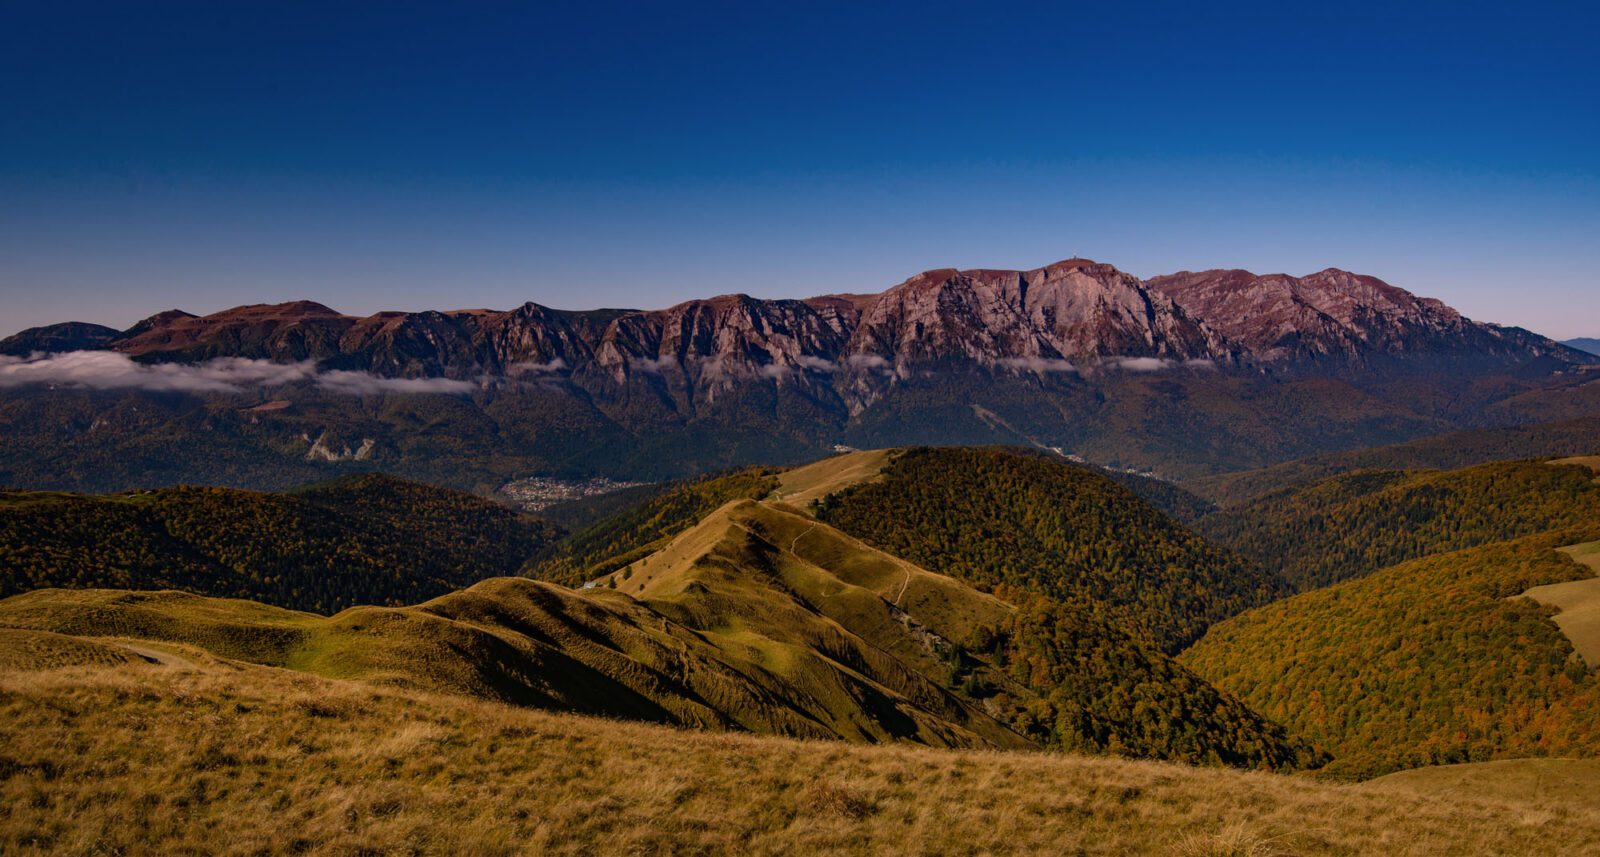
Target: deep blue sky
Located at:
point(405, 156)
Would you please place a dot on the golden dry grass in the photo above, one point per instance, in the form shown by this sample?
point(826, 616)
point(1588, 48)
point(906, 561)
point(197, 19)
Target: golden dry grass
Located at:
point(1577, 603)
point(800, 485)
point(1590, 461)
point(1540, 785)
point(230, 758)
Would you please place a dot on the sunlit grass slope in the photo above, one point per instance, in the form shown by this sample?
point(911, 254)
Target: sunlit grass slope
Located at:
point(223, 758)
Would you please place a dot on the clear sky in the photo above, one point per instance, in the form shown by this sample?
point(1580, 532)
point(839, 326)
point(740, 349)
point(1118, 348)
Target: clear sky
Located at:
point(394, 155)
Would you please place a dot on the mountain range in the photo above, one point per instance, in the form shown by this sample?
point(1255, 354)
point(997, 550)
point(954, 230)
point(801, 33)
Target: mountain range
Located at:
point(1074, 310)
point(1185, 374)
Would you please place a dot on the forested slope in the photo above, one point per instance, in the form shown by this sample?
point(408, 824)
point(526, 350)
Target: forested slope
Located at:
point(1350, 525)
point(366, 539)
point(1039, 525)
point(1432, 661)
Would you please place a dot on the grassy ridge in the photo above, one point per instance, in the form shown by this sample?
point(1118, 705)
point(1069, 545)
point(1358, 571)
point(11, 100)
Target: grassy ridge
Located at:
point(1059, 674)
point(1432, 661)
point(365, 539)
point(623, 537)
point(993, 517)
point(146, 759)
point(1347, 526)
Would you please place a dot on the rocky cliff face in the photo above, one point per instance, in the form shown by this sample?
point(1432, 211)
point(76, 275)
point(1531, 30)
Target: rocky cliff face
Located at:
point(1336, 317)
point(1076, 310)
point(1073, 316)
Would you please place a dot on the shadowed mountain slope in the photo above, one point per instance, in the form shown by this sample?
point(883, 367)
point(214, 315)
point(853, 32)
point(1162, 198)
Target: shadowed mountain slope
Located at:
point(367, 539)
point(1035, 524)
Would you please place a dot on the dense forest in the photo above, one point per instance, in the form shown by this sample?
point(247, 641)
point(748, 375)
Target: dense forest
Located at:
point(621, 538)
point(363, 539)
point(1099, 690)
point(991, 517)
point(1347, 526)
point(1433, 661)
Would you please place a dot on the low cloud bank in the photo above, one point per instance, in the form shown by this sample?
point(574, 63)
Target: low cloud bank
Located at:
point(530, 367)
point(108, 370)
point(1157, 364)
point(1041, 365)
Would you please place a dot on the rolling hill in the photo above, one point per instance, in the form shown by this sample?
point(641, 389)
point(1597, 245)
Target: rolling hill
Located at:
point(364, 539)
point(623, 536)
point(1346, 526)
point(1437, 660)
point(1036, 524)
point(755, 618)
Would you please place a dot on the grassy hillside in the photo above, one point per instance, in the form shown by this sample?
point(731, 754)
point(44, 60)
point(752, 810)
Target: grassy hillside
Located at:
point(1448, 451)
point(757, 618)
point(1347, 526)
point(1433, 661)
point(365, 539)
point(620, 538)
point(1059, 674)
point(993, 517)
point(159, 759)
point(1556, 783)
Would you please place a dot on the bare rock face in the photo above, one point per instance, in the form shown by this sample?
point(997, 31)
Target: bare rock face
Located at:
point(529, 337)
point(713, 345)
point(409, 345)
point(1075, 310)
point(1335, 316)
point(1074, 316)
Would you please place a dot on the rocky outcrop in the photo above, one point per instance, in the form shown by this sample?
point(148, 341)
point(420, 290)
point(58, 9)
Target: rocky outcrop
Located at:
point(1075, 310)
point(1336, 317)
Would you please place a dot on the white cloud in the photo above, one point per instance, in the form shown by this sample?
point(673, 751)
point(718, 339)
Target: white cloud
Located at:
point(108, 370)
point(653, 365)
point(556, 364)
point(366, 383)
point(1042, 365)
point(866, 361)
point(817, 364)
point(1140, 364)
point(1200, 363)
